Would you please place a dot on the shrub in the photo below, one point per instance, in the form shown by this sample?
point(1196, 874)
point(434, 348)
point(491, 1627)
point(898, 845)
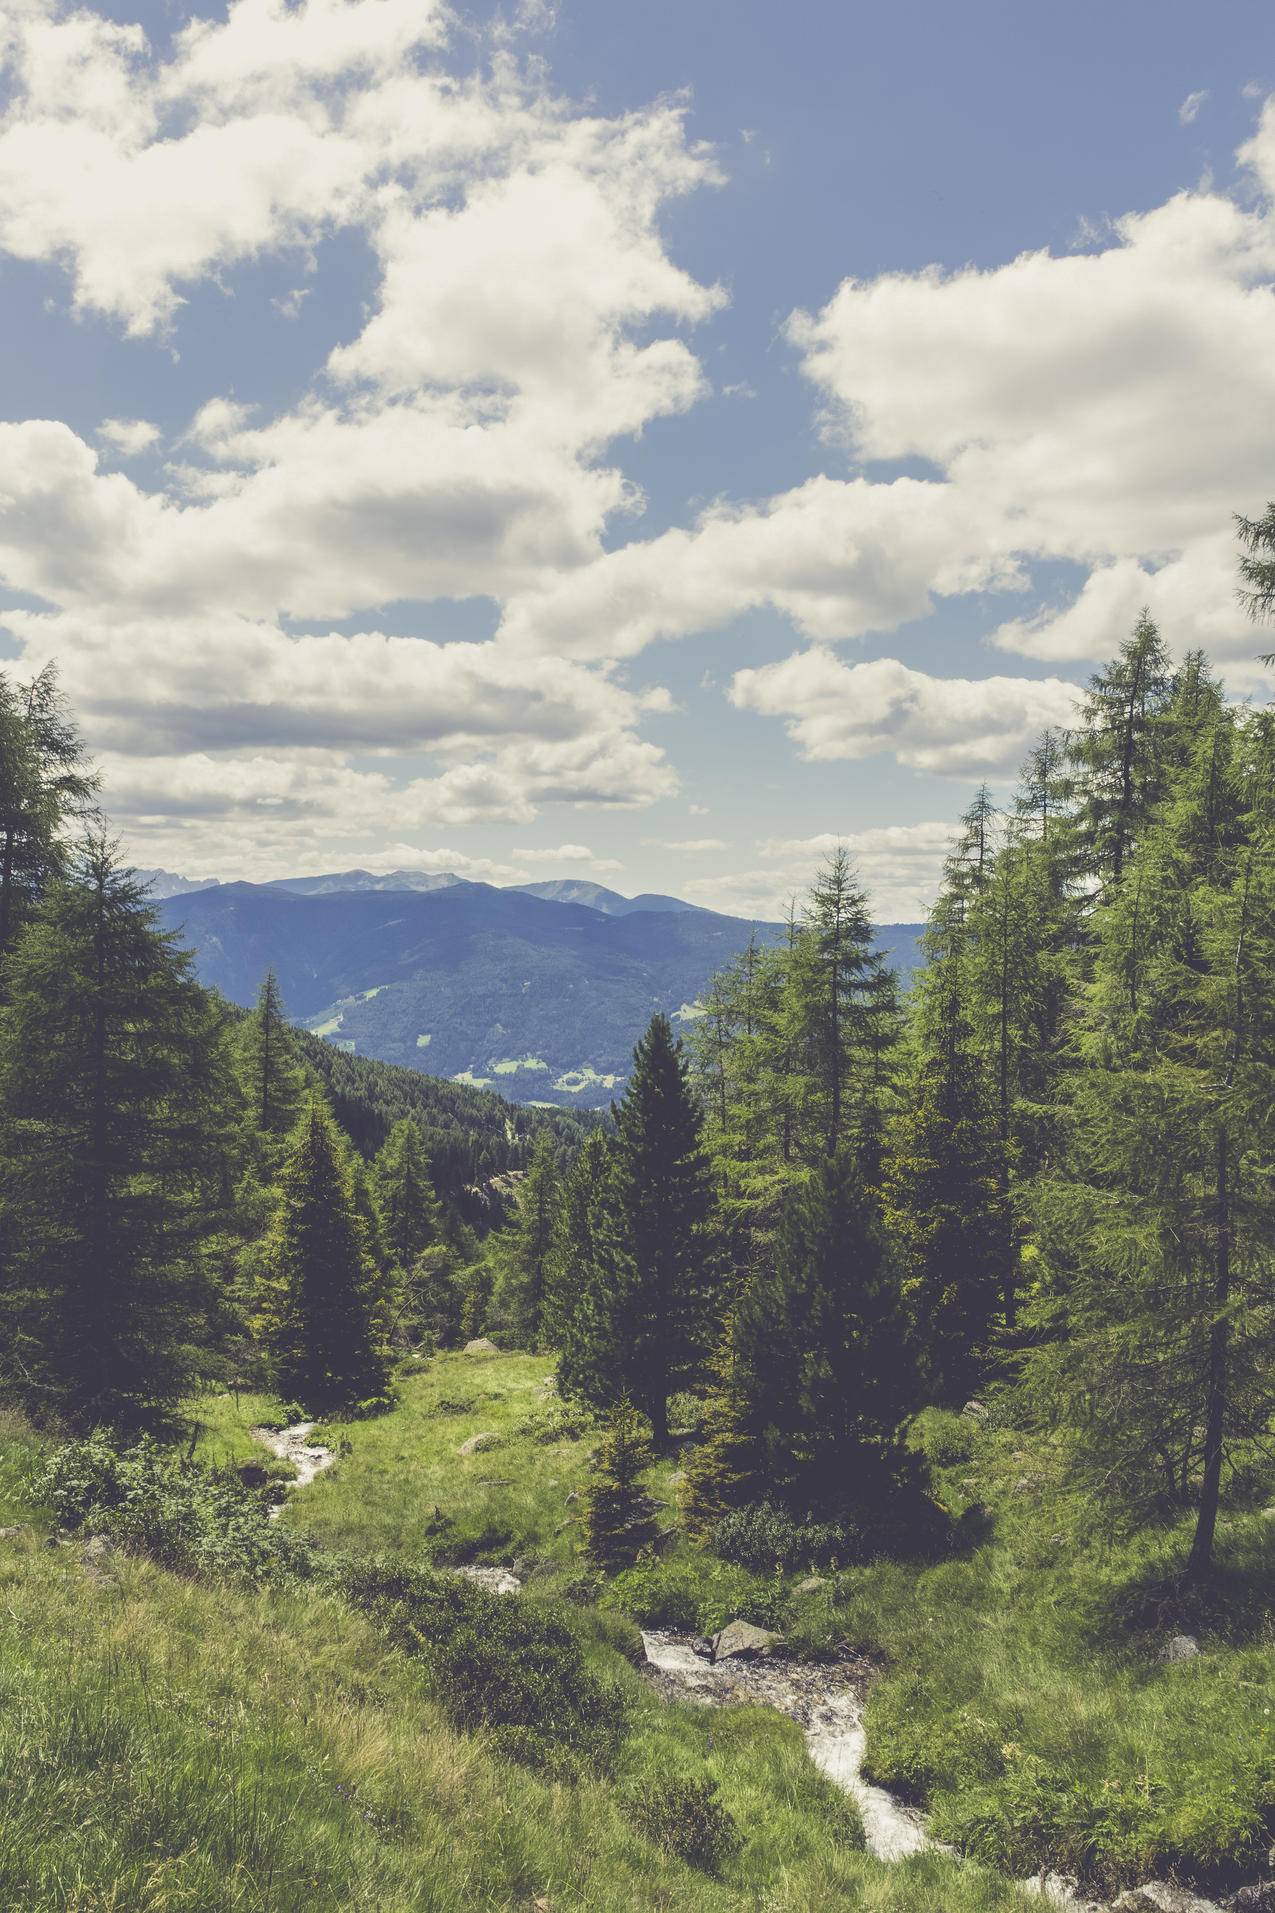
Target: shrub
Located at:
point(763, 1536)
point(693, 1593)
point(497, 1661)
point(944, 1438)
point(687, 1819)
point(180, 1513)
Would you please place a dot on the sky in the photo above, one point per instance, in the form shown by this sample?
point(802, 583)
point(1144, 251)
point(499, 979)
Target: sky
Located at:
point(650, 444)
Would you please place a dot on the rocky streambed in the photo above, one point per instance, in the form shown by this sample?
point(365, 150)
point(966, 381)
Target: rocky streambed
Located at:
point(745, 1665)
point(294, 1445)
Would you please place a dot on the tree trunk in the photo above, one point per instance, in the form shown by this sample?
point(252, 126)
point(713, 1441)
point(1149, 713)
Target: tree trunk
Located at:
point(1219, 1348)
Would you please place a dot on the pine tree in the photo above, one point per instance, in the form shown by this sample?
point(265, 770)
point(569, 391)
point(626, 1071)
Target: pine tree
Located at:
point(524, 1253)
point(663, 1207)
point(323, 1307)
point(407, 1201)
point(619, 1515)
point(115, 1110)
point(590, 1279)
point(274, 1082)
point(44, 785)
point(1158, 1334)
point(824, 1361)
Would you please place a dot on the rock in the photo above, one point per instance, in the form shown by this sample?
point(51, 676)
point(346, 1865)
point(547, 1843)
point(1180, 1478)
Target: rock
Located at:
point(811, 1583)
point(1268, 1514)
point(702, 1646)
point(10, 1534)
point(742, 1641)
point(478, 1442)
point(977, 1411)
point(1161, 1896)
point(1259, 1897)
point(95, 1556)
point(481, 1346)
point(495, 1580)
point(1183, 1647)
point(1026, 1485)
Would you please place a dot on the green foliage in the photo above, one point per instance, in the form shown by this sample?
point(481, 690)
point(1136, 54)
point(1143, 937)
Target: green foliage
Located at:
point(44, 785)
point(498, 1662)
point(174, 1510)
point(719, 1469)
point(762, 1536)
point(822, 1353)
point(114, 1128)
point(693, 1592)
point(619, 1516)
point(523, 1254)
point(323, 1307)
point(272, 1080)
point(687, 1818)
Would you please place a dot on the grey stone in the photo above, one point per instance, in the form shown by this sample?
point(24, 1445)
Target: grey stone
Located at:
point(495, 1580)
point(977, 1411)
point(8, 1534)
point(1161, 1896)
point(1183, 1647)
point(1259, 1895)
point(811, 1583)
point(481, 1346)
point(741, 1640)
point(478, 1442)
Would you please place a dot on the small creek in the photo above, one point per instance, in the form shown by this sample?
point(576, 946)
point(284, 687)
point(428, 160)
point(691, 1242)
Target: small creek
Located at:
point(294, 1445)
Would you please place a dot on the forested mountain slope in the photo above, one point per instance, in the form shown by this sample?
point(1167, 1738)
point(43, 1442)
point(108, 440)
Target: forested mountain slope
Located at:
point(539, 998)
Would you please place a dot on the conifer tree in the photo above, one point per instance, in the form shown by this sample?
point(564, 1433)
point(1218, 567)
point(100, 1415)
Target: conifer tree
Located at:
point(619, 1514)
point(718, 1474)
point(824, 1361)
point(114, 1111)
point(323, 1305)
point(1118, 750)
point(945, 1204)
point(524, 1253)
point(664, 1283)
point(273, 1080)
point(1158, 1337)
point(45, 784)
point(590, 1278)
point(407, 1201)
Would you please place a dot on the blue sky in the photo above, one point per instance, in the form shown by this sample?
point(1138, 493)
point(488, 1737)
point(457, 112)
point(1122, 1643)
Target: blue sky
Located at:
point(644, 443)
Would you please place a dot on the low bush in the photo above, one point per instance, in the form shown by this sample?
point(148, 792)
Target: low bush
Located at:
point(693, 1593)
point(944, 1438)
point(497, 1661)
point(687, 1818)
point(180, 1513)
point(763, 1536)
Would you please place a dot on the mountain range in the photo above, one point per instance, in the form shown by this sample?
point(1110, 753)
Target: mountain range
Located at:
point(538, 990)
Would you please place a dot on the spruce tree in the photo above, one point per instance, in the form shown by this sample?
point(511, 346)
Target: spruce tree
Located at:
point(524, 1253)
point(45, 784)
point(322, 1314)
point(115, 1107)
point(663, 1208)
point(407, 1201)
point(619, 1515)
point(1118, 750)
point(590, 1279)
point(273, 1080)
point(823, 1354)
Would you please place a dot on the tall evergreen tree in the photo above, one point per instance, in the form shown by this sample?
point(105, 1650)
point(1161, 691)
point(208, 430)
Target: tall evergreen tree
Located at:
point(524, 1253)
point(590, 1277)
point(1118, 750)
point(823, 1355)
point(619, 1514)
point(1159, 1225)
point(273, 1080)
point(323, 1314)
point(45, 784)
point(114, 1115)
point(719, 1473)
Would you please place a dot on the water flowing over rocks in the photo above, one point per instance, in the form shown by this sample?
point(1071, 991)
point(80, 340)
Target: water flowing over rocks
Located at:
point(826, 1700)
point(293, 1444)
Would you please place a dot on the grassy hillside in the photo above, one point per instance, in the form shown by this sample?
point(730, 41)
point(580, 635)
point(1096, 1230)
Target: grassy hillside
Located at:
point(180, 1744)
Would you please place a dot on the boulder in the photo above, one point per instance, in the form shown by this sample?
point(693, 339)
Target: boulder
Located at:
point(977, 1411)
point(10, 1534)
point(481, 1346)
point(740, 1640)
point(495, 1580)
point(811, 1584)
point(1183, 1647)
point(478, 1442)
point(1161, 1896)
point(1259, 1896)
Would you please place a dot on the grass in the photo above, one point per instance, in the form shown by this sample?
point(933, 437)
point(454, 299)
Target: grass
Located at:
point(170, 1743)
